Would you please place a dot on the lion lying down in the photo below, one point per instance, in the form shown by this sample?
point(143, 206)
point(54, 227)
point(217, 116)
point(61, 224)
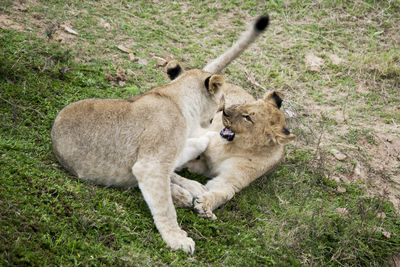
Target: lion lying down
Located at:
point(141, 140)
point(251, 143)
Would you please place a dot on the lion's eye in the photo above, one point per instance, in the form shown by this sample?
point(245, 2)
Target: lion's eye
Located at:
point(247, 117)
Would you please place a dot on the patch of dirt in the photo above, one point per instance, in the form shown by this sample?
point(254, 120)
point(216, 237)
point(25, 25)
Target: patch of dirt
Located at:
point(8, 24)
point(313, 62)
point(374, 156)
point(374, 160)
point(383, 172)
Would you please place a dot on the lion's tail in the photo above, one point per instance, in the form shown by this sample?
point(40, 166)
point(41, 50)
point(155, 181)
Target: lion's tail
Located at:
point(247, 38)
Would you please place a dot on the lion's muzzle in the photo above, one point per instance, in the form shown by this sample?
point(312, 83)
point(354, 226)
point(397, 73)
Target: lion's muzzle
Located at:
point(227, 134)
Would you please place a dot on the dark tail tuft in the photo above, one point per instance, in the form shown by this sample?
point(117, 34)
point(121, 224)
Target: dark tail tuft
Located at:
point(174, 72)
point(262, 23)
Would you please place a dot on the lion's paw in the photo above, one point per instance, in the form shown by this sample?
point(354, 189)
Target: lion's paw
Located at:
point(203, 208)
point(195, 188)
point(178, 240)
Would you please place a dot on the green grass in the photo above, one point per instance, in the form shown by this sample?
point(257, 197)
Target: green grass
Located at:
point(291, 217)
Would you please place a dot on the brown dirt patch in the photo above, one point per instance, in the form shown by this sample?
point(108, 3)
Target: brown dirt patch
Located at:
point(9, 24)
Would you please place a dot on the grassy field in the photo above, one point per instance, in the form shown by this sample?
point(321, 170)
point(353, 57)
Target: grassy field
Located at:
point(333, 201)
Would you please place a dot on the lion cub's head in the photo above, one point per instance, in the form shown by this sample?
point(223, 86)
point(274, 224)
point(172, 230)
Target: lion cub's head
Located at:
point(257, 124)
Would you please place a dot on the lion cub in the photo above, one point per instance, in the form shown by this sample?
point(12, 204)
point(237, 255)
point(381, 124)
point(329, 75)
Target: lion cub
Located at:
point(250, 143)
point(140, 141)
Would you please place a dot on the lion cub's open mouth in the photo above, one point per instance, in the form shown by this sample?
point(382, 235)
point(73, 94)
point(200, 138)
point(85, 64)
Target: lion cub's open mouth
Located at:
point(227, 133)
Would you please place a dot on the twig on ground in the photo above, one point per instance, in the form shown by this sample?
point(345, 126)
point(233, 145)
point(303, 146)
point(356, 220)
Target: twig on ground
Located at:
point(253, 81)
point(345, 102)
point(23, 107)
point(10, 125)
point(319, 141)
point(395, 124)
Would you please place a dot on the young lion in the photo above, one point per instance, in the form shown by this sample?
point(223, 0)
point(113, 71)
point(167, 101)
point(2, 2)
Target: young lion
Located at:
point(250, 144)
point(139, 141)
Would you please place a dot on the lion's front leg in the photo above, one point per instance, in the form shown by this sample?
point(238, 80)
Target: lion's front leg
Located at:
point(193, 148)
point(220, 190)
point(154, 182)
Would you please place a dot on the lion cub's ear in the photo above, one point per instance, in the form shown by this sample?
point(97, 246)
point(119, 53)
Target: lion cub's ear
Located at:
point(274, 97)
point(174, 69)
point(279, 135)
point(214, 83)
point(284, 136)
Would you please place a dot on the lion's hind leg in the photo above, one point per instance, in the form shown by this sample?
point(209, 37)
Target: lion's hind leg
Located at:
point(181, 197)
point(184, 190)
point(193, 187)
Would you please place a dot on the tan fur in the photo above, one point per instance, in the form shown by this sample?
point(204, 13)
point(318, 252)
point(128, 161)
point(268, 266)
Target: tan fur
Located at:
point(140, 141)
point(238, 47)
point(256, 149)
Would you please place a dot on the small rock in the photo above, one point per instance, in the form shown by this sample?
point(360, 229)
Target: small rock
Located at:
point(313, 62)
point(381, 215)
point(160, 61)
point(289, 113)
point(357, 169)
point(342, 211)
point(334, 59)
point(338, 155)
point(336, 179)
point(383, 231)
point(105, 24)
point(132, 57)
point(386, 234)
point(121, 83)
point(69, 30)
point(389, 139)
point(124, 49)
point(341, 189)
point(142, 61)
